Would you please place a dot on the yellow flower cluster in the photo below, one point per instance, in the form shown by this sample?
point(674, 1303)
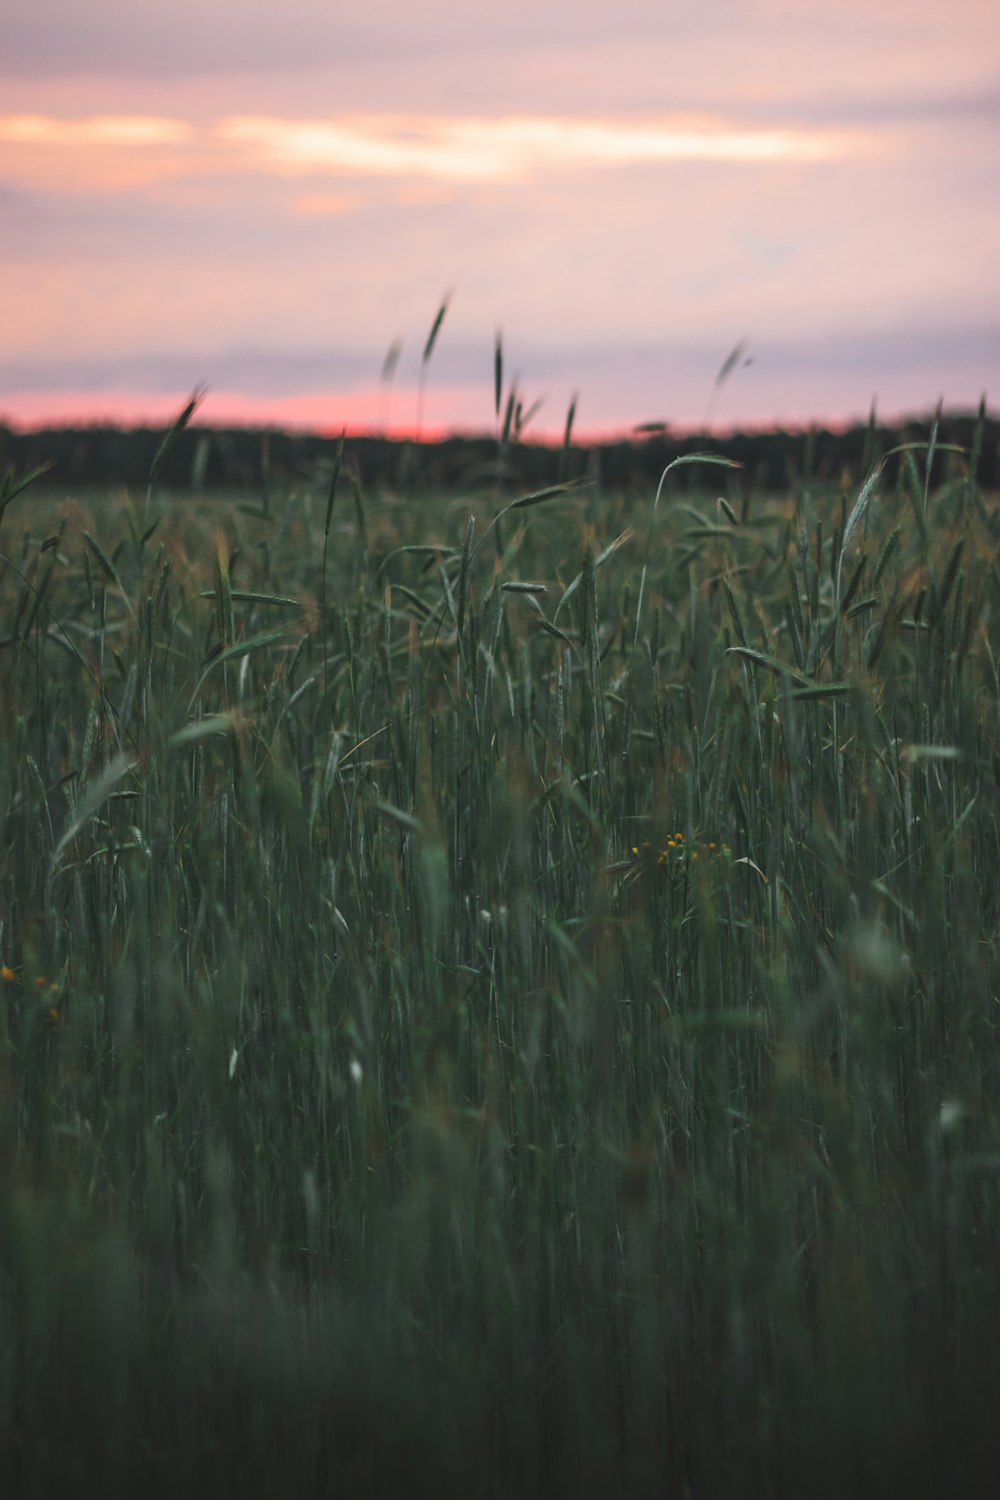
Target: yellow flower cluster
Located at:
point(676, 853)
point(49, 987)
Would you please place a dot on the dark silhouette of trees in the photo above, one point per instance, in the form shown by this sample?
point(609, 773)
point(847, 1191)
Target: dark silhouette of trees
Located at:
point(245, 459)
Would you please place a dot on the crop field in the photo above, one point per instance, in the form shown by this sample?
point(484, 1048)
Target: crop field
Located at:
point(500, 993)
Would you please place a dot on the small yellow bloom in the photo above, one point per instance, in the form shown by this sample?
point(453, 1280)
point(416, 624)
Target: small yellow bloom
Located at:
point(679, 837)
point(41, 982)
point(52, 1017)
point(7, 975)
point(671, 844)
point(711, 848)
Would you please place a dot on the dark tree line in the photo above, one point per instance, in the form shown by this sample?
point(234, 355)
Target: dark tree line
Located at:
point(245, 459)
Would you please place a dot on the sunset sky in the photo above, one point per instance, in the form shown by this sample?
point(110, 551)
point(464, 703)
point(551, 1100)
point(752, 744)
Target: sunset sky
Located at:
point(264, 200)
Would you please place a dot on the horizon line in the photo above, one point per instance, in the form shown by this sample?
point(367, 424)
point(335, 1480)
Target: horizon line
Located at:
point(433, 432)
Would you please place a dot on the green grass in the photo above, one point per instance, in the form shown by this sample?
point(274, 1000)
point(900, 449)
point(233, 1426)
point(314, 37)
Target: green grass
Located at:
point(379, 1112)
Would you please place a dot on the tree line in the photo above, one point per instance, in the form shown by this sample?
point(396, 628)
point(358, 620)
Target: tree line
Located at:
point(254, 460)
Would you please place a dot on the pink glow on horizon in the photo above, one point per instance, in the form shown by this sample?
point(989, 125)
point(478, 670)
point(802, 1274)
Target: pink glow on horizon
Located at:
point(359, 412)
point(367, 414)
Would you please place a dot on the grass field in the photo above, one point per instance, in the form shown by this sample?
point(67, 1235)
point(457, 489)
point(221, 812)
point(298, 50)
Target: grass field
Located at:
point(502, 1007)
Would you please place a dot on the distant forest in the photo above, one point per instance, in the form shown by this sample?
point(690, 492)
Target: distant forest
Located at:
point(245, 459)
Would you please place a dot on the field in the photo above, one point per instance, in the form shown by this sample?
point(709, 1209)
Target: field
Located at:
point(500, 992)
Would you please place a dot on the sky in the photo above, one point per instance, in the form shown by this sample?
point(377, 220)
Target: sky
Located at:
point(266, 201)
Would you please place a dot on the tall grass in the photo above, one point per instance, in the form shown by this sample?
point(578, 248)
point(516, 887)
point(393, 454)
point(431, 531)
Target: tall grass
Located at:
point(502, 1020)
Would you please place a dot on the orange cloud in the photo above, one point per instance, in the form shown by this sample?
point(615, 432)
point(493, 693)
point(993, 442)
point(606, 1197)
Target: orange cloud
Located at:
point(116, 153)
point(98, 153)
point(99, 130)
point(323, 204)
point(474, 149)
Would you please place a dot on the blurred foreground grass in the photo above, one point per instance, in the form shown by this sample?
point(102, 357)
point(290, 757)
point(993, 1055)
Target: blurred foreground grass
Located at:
point(402, 1088)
